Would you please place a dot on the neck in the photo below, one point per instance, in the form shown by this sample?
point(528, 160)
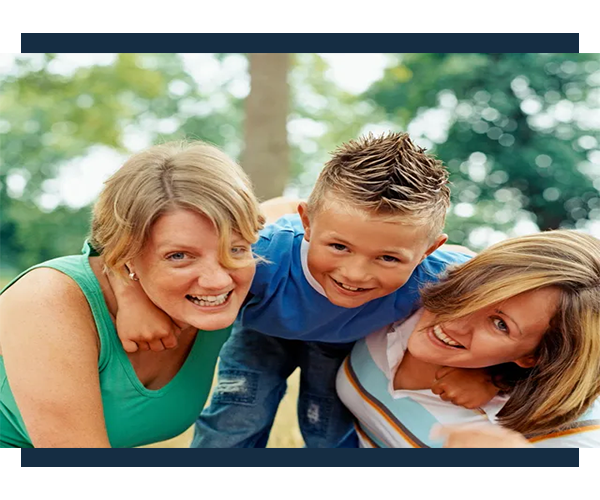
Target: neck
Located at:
point(414, 374)
point(97, 265)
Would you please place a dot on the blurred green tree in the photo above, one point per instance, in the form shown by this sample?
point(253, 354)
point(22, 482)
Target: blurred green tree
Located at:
point(49, 118)
point(519, 132)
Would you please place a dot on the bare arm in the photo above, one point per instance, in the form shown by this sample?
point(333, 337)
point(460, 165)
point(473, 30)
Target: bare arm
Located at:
point(479, 436)
point(139, 322)
point(50, 347)
point(459, 249)
point(275, 208)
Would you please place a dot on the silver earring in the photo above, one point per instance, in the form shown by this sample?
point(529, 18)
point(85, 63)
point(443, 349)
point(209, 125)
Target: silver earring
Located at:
point(133, 277)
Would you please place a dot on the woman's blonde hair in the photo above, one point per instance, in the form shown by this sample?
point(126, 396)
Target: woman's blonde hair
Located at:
point(194, 176)
point(566, 377)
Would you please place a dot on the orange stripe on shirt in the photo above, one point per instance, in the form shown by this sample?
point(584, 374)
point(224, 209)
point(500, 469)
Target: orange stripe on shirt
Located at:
point(366, 398)
point(566, 432)
point(365, 436)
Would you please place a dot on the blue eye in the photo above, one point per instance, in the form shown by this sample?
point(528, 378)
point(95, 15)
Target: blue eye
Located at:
point(176, 256)
point(389, 258)
point(338, 246)
point(500, 324)
point(238, 251)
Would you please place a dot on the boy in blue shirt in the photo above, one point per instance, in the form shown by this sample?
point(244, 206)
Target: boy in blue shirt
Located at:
point(350, 262)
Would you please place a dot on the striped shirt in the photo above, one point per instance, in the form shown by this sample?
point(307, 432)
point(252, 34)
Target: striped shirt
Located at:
point(392, 418)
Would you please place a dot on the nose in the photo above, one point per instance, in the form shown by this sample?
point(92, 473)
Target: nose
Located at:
point(213, 276)
point(460, 327)
point(356, 271)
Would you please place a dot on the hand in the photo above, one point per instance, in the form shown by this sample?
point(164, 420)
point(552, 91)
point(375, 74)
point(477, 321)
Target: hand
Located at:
point(471, 388)
point(140, 324)
point(479, 436)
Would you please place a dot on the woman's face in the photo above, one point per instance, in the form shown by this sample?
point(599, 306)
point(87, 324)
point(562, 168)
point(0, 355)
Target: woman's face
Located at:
point(179, 270)
point(505, 332)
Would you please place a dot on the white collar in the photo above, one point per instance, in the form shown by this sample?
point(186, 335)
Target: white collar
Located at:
point(309, 277)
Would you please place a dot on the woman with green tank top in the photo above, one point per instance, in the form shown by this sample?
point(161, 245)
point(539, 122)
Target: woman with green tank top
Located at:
point(180, 218)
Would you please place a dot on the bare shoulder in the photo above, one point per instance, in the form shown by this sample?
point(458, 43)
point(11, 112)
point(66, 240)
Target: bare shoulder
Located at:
point(49, 299)
point(44, 287)
point(275, 208)
point(459, 249)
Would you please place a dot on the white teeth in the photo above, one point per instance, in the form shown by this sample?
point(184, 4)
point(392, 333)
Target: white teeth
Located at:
point(209, 300)
point(440, 335)
point(348, 287)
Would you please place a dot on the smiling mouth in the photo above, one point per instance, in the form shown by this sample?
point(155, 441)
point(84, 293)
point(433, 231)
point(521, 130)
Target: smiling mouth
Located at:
point(442, 337)
point(209, 300)
point(349, 288)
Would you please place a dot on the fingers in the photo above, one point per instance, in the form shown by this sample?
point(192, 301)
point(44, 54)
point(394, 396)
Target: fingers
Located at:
point(170, 342)
point(156, 345)
point(448, 396)
point(129, 346)
point(437, 389)
point(443, 371)
point(469, 405)
point(144, 346)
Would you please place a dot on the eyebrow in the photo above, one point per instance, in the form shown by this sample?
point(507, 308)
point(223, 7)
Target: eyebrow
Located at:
point(161, 247)
point(174, 247)
point(504, 314)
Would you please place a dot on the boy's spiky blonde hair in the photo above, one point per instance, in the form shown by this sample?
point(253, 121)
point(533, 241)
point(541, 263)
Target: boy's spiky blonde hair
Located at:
point(387, 176)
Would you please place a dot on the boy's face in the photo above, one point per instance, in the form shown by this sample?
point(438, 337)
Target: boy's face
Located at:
point(357, 256)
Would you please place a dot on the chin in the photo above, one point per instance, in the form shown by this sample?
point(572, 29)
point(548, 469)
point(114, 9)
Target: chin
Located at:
point(348, 304)
point(419, 349)
point(212, 324)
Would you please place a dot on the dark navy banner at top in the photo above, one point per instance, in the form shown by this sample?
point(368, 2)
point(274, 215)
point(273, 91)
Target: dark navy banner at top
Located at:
point(170, 457)
point(300, 42)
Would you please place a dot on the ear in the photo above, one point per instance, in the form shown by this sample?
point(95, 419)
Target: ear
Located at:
point(439, 241)
point(526, 361)
point(302, 210)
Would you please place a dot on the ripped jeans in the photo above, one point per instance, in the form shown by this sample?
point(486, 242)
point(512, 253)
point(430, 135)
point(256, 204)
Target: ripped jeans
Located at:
point(253, 369)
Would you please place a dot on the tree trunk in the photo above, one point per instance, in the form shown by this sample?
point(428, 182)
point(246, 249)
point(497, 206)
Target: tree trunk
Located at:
point(266, 154)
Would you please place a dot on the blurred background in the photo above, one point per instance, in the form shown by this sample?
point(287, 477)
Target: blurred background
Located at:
point(519, 133)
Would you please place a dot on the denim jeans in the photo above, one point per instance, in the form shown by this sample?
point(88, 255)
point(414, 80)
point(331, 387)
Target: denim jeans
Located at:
point(253, 369)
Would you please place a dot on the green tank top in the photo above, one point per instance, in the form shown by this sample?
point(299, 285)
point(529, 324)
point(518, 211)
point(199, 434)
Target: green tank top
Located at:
point(134, 415)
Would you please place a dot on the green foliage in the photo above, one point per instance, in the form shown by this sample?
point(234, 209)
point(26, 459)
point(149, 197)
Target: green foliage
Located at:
point(38, 236)
point(335, 115)
point(526, 114)
point(510, 157)
point(49, 118)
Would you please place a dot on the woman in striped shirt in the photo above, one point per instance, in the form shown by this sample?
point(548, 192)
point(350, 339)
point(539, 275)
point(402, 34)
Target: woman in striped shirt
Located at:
point(528, 308)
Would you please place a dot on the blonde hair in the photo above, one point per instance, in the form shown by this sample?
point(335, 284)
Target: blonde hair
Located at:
point(388, 176)
point(194, 176)
point(566, 377)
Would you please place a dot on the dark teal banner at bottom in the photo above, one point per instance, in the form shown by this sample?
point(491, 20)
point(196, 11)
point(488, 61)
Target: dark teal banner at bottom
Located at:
point(171, 457)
